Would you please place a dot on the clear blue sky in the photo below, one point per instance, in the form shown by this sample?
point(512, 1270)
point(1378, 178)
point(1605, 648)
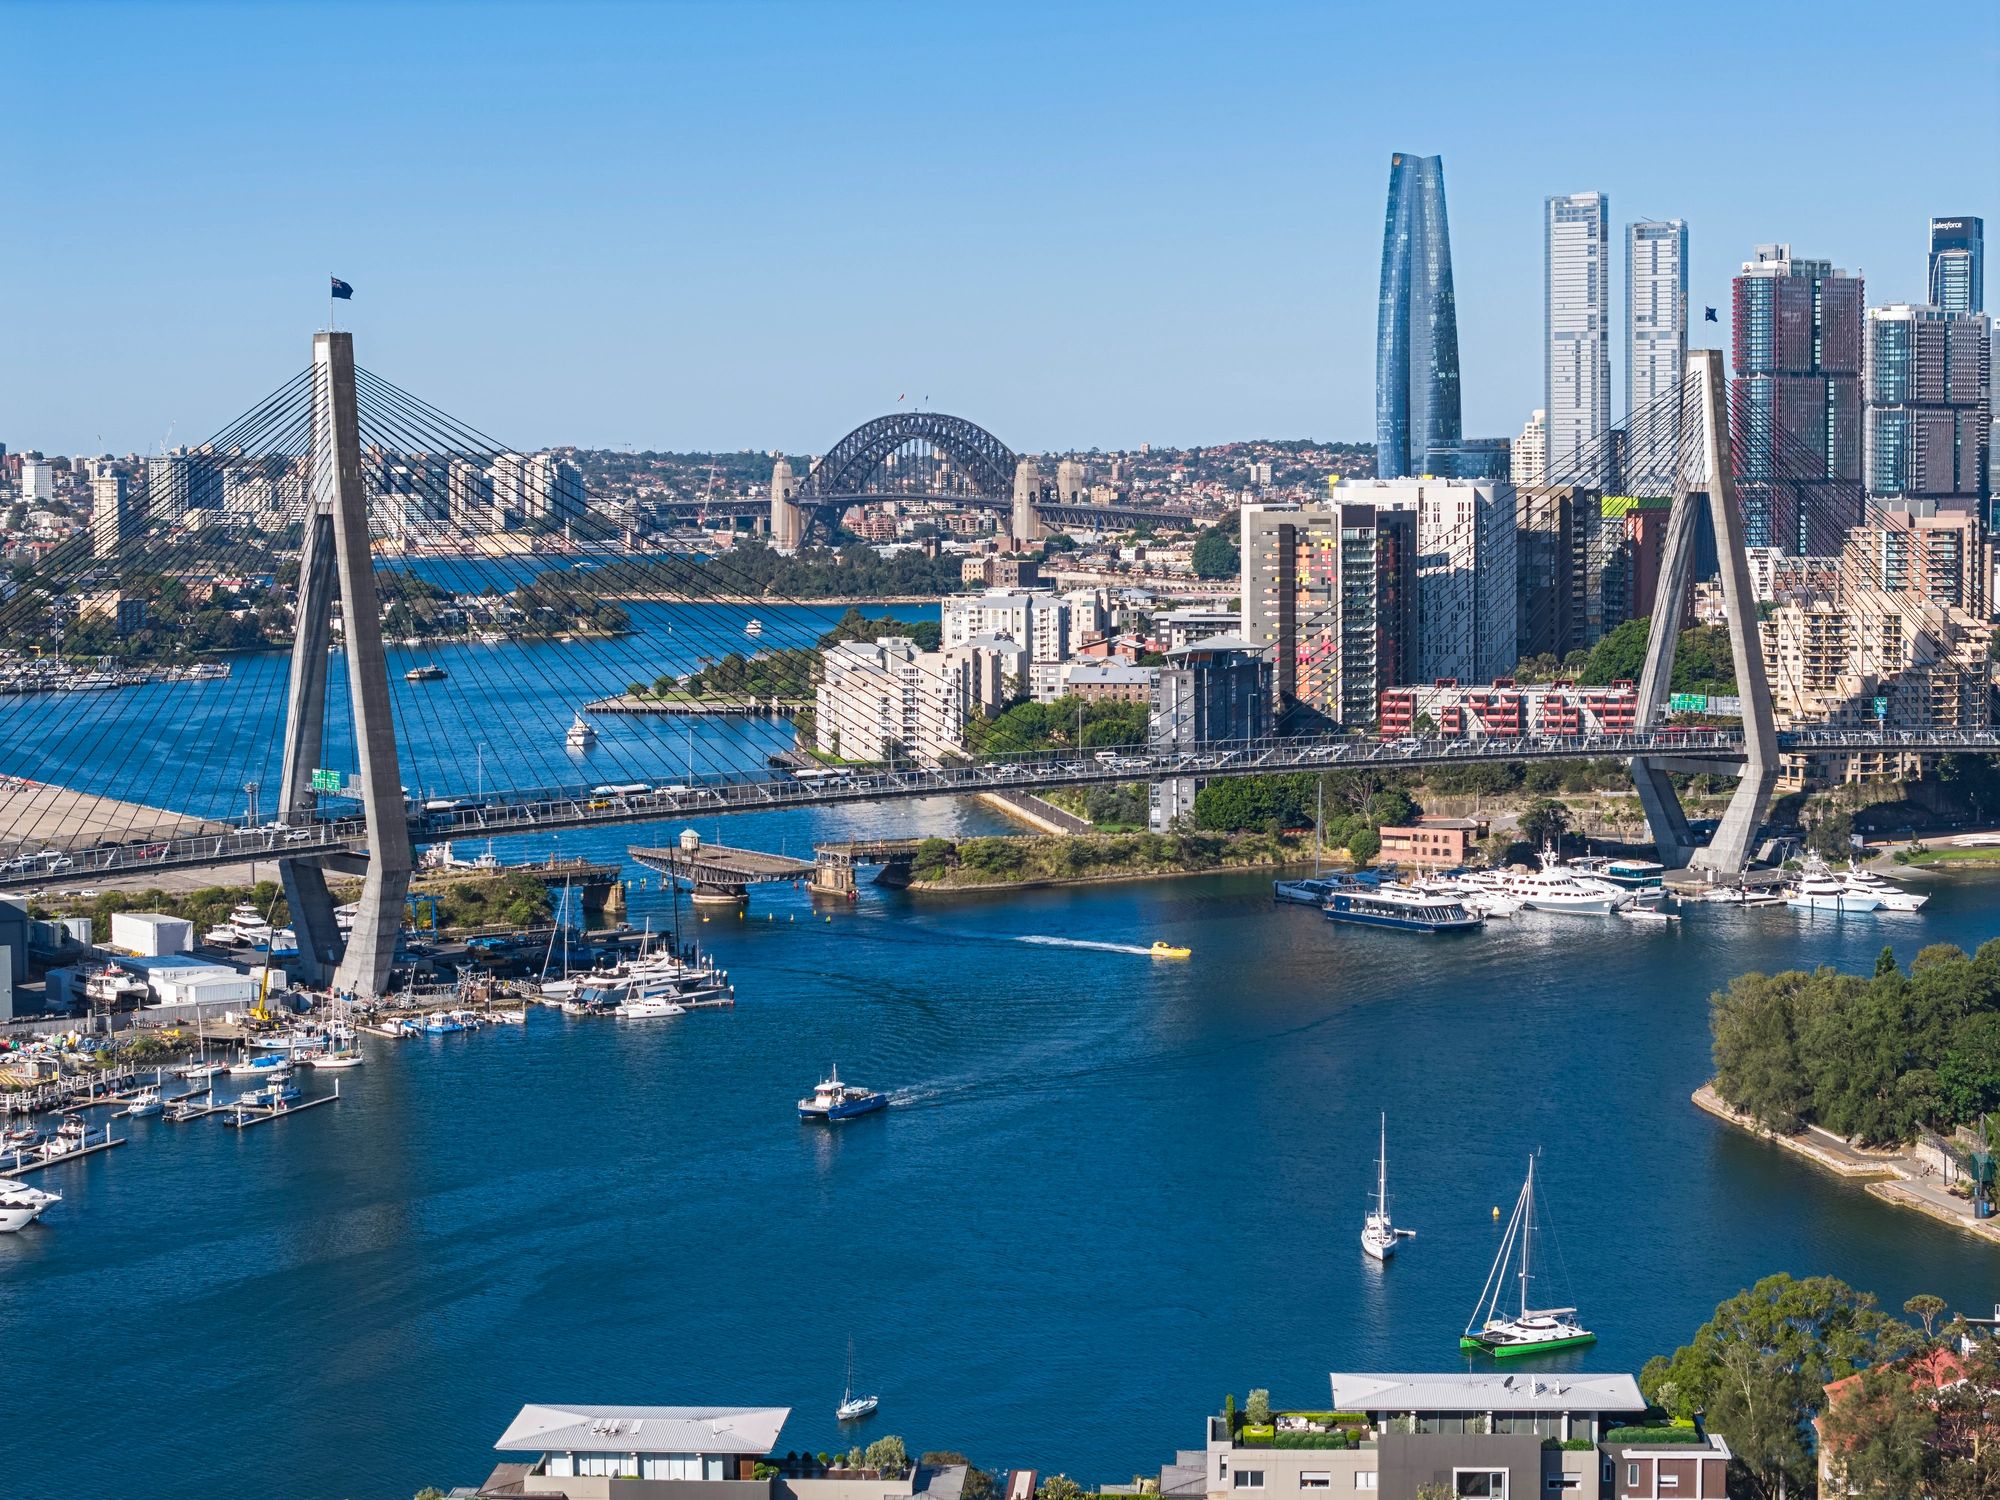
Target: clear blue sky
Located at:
point(755, 224)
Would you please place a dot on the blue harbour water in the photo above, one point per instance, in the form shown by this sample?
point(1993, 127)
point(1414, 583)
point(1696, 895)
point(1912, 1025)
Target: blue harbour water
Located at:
point(1110, 1190)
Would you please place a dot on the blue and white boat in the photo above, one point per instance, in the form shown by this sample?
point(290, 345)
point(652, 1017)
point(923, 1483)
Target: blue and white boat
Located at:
point(273, 1095)
point(1402, 908)
point(834, 1100)
point(441, 1023)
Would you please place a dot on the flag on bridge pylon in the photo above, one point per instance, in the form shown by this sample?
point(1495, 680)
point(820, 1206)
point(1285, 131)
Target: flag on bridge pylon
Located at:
point(342, 290)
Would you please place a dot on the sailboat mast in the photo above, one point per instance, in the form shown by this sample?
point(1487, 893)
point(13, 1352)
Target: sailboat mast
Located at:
point(1382, 1170)
point(1527, 1231)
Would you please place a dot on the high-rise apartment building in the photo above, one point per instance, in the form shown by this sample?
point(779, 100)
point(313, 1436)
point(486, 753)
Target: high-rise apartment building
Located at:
point(113, 517)
point(1656, 341)
point(1957, 277)
point(1467, 556)
point(1795, 400)
point(1928, 381)
point(1576, 304)
point(1529, 461)
point(1329, 593)
point(1416, 336)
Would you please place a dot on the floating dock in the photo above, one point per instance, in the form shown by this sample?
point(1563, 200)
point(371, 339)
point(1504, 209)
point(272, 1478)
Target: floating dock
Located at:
point(14, 1163)
point(243, 1116)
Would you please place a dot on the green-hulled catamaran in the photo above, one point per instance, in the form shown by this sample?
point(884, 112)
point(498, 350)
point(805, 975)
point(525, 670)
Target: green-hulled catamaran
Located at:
point(1533, 1330)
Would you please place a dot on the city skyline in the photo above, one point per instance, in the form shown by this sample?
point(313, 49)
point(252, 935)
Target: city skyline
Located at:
point(713, 264)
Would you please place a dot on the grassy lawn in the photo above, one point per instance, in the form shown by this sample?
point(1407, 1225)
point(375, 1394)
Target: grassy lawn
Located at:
point(1971, 854)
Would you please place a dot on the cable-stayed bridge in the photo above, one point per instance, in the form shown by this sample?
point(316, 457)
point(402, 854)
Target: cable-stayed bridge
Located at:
point(443, 641)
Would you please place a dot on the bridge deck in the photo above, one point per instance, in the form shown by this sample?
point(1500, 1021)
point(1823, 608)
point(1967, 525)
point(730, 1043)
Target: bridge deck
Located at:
point(720, 865)
point(555, 809)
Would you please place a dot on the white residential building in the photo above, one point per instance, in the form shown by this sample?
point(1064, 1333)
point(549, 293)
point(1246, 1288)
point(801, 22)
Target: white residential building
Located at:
point(38, 480)
point(1528, 460)
point(883, 696)
point(1577, 361)
point(1051, 627)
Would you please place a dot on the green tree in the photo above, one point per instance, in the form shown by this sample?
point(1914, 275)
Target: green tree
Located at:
point(1216, 554)
point(1257, 1410)
point(1878, 1435)
point(1059, 1487)
point(1544, 821)
point(888, 1456)
point(1926, 1308)
point(1362, 847)
point(1758, 1368)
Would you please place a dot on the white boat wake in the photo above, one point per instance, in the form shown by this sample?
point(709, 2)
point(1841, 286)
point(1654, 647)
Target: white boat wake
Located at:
point(1062, 942)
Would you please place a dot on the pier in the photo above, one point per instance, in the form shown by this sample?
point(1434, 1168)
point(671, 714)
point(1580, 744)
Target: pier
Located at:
point(15, 1163)
point(243, 1116)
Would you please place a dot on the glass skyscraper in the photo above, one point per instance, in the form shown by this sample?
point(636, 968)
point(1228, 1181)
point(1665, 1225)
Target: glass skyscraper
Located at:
point(1795, 401)
point(1656, 341)
point(1958, 265)
point(1577, 362)
point(1416, 337)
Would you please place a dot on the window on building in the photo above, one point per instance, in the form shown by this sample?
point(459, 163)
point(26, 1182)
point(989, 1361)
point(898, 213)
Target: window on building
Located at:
point(1485, 1484)
point(1631, 1476)
point(1364, 1479)
point(608, 1465)
point(1249, 1479)
point(1669, 1481)
point(671, 1466)
point(1564, 1482)
point(1316, 1479)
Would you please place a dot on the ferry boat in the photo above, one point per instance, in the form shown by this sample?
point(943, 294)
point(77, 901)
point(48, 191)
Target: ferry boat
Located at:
point(1402, 907)
point(1530, 1330)
point(428, 672)
point(1378, 1234)
point(834, 1100)
point(582, 733)
point(1819, 889)
point(21, 1205)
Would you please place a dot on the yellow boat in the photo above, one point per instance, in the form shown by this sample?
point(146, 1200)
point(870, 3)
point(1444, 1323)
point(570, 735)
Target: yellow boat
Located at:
point(1168, 950)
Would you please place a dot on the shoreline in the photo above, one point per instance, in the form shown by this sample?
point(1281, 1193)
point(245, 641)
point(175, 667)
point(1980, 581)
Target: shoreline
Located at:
point(1052, 882)
point(1884, 1175)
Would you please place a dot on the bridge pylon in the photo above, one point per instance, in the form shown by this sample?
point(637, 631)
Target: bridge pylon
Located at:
point(337, 561)
point(1025, 525)
point(1704, 477)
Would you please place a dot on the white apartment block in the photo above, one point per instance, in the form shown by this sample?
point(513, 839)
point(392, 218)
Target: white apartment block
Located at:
point(875, 696)
point(1050, 627)
point(1528, 458)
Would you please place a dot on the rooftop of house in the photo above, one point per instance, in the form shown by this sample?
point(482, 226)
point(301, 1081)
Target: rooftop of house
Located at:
point(648, 1429)
point(1486, 1392)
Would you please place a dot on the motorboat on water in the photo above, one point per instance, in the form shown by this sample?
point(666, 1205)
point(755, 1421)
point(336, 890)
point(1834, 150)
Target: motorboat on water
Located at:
point(754, 628)
point(331, 1060)
point(430, 671)
point(1557, 890)
point(69, 1137)
point(189, 1107)
point(18, 1138)
point(1378, 1234)
point(1819, 889)
point(1528, 1330)
point(1407, 908)
point(1647, 913)
point(582, 733)
point(21, 1205)
point(288, 1041)
point(833, 1099)
point(271, 1065)
point(201, 1070)
point(649, 1003)
point(1893, 897)
point(145, 1103)
point(1162, 949)
point(277, 1094)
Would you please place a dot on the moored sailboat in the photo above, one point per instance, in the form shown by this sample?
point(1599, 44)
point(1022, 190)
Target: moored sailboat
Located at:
point(1531, 1330)
point(1378, 1233)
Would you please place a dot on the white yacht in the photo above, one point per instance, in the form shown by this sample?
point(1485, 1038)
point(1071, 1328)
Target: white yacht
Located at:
point(582, 733)
point(1819, 889)
point(649, 1000)
point(145, 1102)
point(21, 1205)
point(1893, 897)
point(1378, 1234)
point(1558, 890)
point(1484, 900)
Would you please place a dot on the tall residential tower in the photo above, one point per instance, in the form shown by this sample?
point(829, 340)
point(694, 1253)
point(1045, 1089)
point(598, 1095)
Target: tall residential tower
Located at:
point(1656, 342)
point(1416, 337)
point(1577, 361)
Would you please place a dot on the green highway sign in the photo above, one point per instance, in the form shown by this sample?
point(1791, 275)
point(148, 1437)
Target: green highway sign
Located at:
point(326, 781)
point(1688, 703)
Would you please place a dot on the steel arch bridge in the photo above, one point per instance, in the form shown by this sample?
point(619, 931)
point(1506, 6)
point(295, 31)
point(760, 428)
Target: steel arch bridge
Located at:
point(848, 474)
